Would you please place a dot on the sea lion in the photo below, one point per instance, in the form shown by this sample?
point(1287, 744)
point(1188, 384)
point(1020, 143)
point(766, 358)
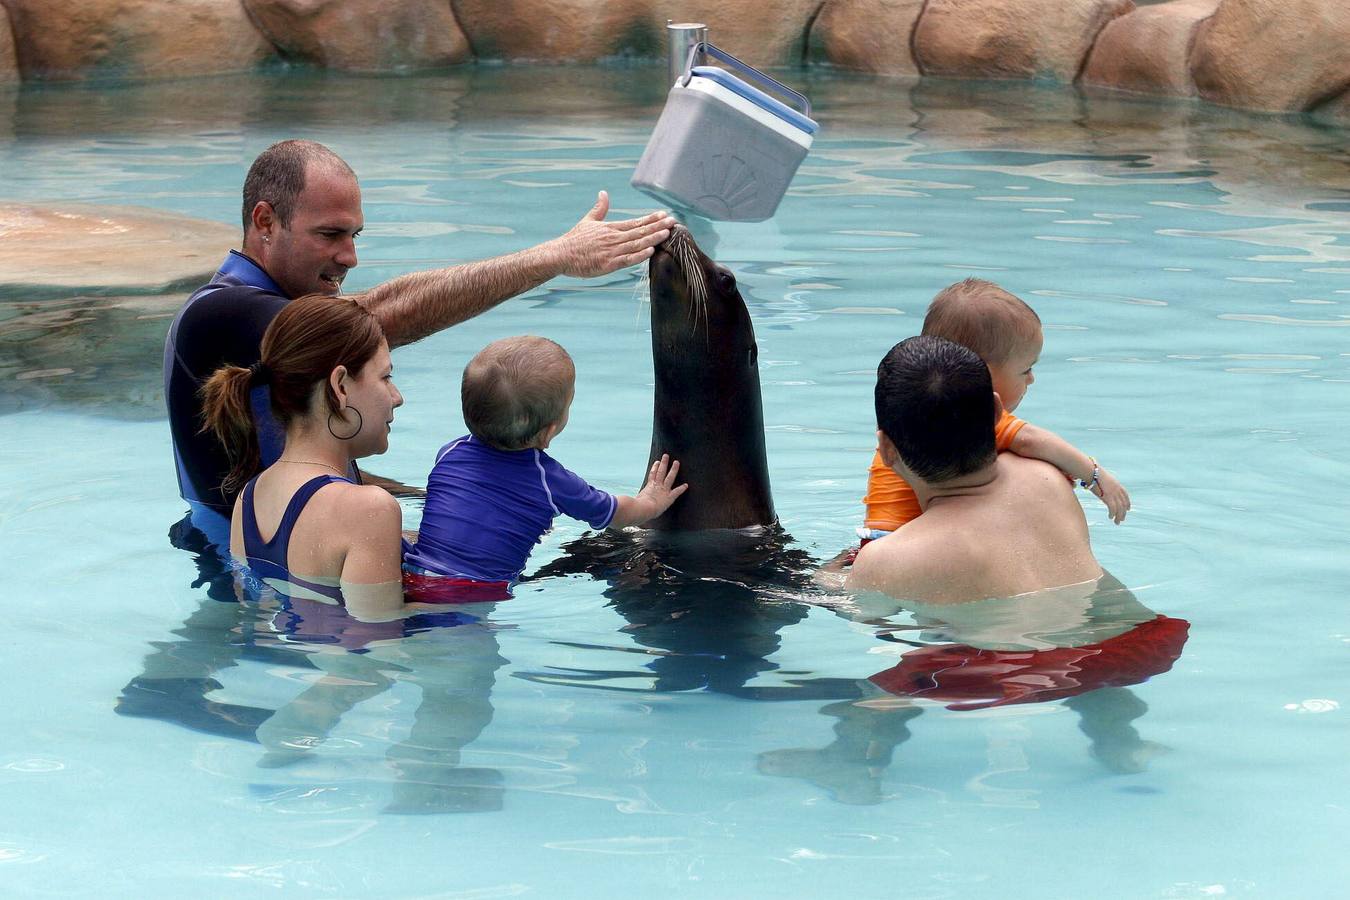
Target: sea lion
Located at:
point(707, 408)
point(708, 604)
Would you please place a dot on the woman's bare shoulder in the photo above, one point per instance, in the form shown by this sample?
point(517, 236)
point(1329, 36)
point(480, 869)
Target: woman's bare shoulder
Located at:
point(371, 498)
point(360, 502)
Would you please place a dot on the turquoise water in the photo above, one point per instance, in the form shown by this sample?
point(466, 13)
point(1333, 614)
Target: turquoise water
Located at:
point(592, 739)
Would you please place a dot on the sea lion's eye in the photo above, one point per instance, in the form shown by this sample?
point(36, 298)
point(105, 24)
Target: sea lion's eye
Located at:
point(726, 282)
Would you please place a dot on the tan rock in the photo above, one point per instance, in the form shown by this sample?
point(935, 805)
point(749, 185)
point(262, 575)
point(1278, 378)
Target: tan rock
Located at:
point(364, 35)
point(761, 34)
point(9, 59)
point(1148, 50)
point(134, 38)
point(1335, 111)
point(71, 248)
point(588, 30)
point(559, 30)
point(868, 35)
point(1273, 54)
point(1011, 38)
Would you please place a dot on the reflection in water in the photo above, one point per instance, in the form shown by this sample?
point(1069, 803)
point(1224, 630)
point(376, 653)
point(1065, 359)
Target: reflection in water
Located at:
point(708, 605)
point(97, 354)
point(1081, 644)
point(177, 677)
point(450, 657)
point(454, 668)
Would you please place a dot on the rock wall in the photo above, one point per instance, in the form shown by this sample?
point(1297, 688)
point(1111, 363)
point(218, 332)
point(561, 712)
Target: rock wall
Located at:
point(76, 39)
point(1046, 39)
point(1148, 50)
point(592, 30)
point(9, 60)
point(874, 35)
point(1273, 54)
point(1276, 55)
point(363, 35)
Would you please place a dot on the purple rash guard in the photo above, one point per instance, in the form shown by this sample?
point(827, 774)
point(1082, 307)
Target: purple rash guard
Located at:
point(487, 508)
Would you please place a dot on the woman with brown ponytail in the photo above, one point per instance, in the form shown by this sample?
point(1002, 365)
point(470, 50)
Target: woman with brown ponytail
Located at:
point(302, 525)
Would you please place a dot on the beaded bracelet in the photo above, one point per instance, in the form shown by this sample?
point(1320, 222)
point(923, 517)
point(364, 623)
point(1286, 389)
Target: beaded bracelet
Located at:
point(1092, 482)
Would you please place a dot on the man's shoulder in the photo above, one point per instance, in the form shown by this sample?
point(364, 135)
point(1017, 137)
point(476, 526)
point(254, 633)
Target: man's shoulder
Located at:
point(913, 555)
point(220, 309)
point(225, 325)
point(1034, 477)
point(231, 295)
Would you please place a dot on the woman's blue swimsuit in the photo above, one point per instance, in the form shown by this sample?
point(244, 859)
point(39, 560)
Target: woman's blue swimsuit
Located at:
point(267, 559)
point(305, 620)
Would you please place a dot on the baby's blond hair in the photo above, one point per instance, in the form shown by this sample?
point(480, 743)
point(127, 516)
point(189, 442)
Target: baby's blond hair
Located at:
point(982, 316)
point(514, 388)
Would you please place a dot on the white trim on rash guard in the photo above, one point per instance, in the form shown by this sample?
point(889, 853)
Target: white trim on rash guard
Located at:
point(543, 481)
point(445, 451)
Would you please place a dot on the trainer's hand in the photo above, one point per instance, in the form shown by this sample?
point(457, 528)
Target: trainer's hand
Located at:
point(596, 247)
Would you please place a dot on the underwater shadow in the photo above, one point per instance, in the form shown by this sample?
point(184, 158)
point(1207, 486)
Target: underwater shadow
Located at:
point(708, 606)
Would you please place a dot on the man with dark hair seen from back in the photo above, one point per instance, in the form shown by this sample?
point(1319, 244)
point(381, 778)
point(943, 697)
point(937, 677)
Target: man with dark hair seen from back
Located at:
point(993, 524)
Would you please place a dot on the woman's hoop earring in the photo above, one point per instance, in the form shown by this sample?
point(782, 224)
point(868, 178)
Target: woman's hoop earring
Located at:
point(360, 423)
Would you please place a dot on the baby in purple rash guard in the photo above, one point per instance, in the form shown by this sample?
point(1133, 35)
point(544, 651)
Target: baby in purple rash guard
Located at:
point(493, 493)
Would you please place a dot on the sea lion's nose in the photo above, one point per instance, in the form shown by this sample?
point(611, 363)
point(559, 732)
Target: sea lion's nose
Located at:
point(678, 233)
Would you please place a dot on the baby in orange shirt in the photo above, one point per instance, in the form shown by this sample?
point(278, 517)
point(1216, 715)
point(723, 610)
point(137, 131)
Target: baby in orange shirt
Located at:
point(1006, 333)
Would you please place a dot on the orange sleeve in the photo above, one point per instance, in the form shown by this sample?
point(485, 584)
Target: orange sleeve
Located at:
point(890, 501)
point(1005, 430)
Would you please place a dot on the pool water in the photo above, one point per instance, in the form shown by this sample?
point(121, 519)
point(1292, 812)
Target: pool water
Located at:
point(639, 736)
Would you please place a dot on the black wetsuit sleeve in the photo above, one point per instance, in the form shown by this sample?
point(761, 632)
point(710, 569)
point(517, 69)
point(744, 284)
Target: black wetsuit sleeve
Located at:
point(224, 327)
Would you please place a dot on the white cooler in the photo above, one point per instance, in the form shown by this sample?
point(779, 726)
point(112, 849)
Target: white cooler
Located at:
point(724, 149)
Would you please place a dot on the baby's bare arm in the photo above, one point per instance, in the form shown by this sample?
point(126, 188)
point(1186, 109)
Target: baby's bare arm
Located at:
point(1037, 443)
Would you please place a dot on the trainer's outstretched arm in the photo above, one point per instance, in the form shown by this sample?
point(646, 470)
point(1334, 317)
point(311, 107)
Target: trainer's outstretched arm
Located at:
point(415, 305)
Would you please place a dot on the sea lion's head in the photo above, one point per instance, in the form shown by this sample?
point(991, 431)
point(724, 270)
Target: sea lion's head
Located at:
point(698, 316)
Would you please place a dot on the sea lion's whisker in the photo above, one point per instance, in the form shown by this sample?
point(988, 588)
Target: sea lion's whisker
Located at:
point(692, 276)
point(642, 293)
point(682, 247)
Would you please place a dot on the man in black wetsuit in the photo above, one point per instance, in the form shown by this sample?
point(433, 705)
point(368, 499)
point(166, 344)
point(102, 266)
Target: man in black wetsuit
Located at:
point(302, 213)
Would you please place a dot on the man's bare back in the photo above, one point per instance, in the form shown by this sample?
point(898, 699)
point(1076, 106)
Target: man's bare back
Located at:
point(1020, 531)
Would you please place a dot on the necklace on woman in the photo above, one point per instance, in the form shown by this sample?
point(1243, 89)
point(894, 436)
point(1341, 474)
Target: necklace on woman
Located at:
point(310, 462)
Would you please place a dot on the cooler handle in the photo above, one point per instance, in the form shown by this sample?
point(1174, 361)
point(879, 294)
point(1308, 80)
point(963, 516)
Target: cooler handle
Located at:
point(749, 71)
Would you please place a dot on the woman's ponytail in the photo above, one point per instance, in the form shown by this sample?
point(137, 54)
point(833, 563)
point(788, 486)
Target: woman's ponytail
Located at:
point(307, 340)
point(228, 414)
